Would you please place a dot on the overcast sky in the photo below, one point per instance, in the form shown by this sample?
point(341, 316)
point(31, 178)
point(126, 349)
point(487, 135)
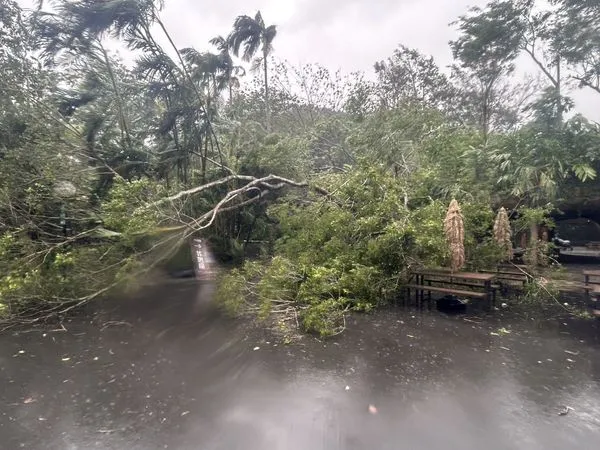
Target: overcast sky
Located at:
point(340, 34)
point(347, 34)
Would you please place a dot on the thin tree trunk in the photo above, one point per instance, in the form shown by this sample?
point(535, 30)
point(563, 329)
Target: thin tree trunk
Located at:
point(267, 106)
point(204, 159)
point(559, 92)
point(250, 230)
point(485, 114)
point(214, 86)
point(113, 80)
point(556, 81)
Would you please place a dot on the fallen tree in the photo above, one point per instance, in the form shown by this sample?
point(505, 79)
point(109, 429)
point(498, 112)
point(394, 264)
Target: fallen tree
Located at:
point(50, 279)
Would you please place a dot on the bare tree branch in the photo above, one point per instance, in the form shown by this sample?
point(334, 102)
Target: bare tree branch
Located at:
point(253, 181)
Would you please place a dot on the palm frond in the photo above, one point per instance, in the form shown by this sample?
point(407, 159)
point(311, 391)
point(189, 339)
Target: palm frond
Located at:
point(238, 71)
point(247, 34)
point(191, 56)
point(269, 35)
point(149, 66)
point(259, 19)
point(256, 65)
point(220, 43)
point(204, 66)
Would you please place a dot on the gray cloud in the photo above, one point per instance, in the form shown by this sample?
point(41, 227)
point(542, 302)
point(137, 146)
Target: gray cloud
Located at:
point(351, 34)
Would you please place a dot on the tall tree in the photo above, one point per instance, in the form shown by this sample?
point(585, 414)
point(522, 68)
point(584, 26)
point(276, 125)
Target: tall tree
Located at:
point(409, 77)
point(563, 41)
point(508, 102)
point(538, 41)
point(228, 71)
point(254, 35)
point(577, 37)
point(534, 32)
point(80, 22)
point(487, 48)
point(206, 69)
point(67, 32)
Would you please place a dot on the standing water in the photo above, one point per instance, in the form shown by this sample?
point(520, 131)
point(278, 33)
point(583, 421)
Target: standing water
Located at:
point(167, 371)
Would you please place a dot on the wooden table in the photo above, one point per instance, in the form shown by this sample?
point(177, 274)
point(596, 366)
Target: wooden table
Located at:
point(471, 279)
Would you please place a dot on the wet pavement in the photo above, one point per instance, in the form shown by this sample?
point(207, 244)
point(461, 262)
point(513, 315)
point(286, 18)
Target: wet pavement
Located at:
point(168, 371)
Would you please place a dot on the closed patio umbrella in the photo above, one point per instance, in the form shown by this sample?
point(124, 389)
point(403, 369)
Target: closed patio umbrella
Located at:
point(455, 235)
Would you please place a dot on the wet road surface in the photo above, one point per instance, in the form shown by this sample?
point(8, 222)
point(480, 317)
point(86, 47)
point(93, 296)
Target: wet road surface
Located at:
point(167, 371)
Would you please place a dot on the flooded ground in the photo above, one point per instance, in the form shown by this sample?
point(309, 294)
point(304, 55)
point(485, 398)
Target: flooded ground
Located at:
point(168, 371)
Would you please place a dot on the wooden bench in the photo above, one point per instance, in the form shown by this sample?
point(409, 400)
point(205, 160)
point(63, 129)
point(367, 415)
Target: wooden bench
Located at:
point(516, 278)
point(591, 287)
point(451, 283)
point(592, 290)
point(514, 267)
point(587, 274)
point(593, 293)
point(508, 276)
point(457, 292)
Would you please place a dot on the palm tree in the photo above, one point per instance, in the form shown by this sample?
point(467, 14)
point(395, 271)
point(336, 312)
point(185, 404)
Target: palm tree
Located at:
point(204, 68)
point(253, 34)
point(65, 31)
point(229, 72)
point(82, 21)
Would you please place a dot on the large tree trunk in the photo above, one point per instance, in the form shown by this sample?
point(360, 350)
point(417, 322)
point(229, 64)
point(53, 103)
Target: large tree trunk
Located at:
point(267, 106)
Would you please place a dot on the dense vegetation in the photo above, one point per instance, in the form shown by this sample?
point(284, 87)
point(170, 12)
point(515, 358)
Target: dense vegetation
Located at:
point(108, 169)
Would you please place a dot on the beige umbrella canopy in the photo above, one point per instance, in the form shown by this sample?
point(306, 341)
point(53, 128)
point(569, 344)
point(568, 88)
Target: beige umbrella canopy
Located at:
point(455, 234)
point(503, 234)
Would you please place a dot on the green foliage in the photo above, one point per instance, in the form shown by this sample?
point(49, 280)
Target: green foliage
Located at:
point(429, 244)
point(124, 211)
point(232, 291)
point(538, 216)
point(534, 165)
point(540, 291)
point(285, 156)
point(410, 78)
point(50, 278)
point(324, 317)
point(335, 255)
point(482, 251)
point(490, 39)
